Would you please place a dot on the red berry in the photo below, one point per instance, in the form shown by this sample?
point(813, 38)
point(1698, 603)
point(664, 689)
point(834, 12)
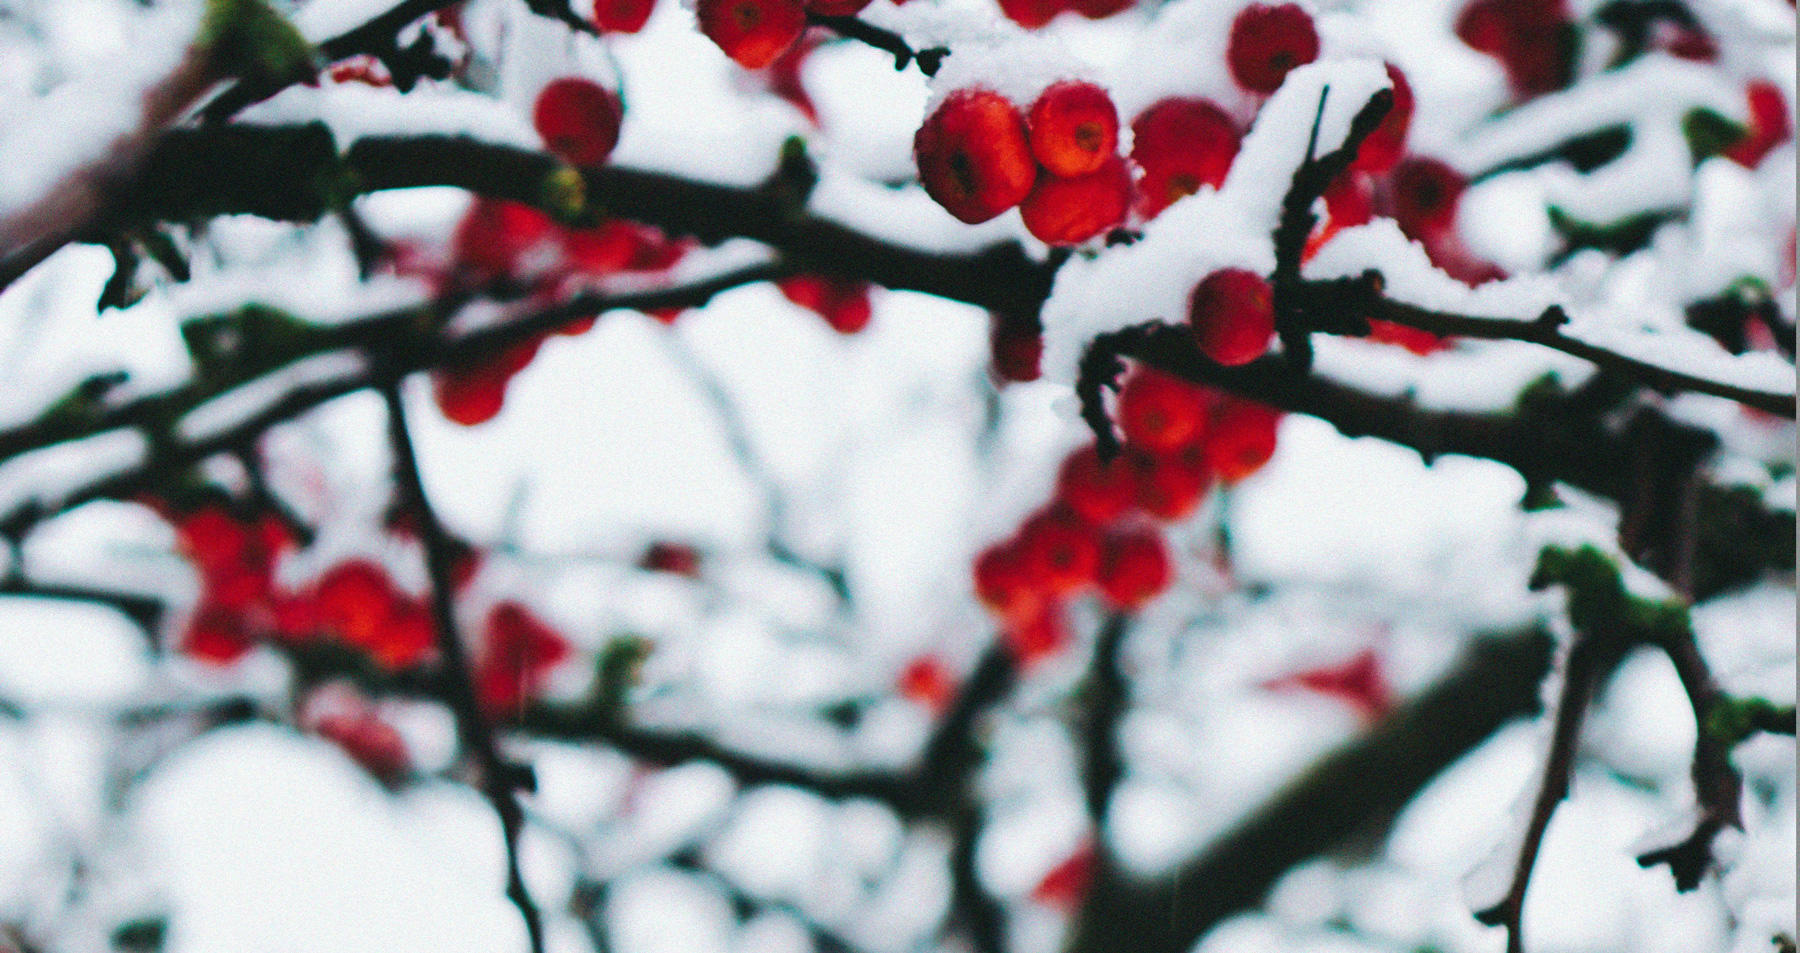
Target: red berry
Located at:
point(471, 393)
point(1061, 551)
point(1067, 883)
point(495, 236)
point(604, 249)
point(752, 32)
point(837, 8)
point(236, 559)
point(407, 636)
point(1387, 143)
point(622, 16)
point(1419, 342)
point(1171, 484)
point(1003, 582)
point(1268, 41)
point(369, 741)
point(842, 302)
point(518, 652)
point(1135, 567)
point(1424, 194)
point(1769, 125)
point(216, 635)
point(926, 681)
point(578, 120)
point(973, 156)
point(1533, 39)
point(1159, 411)
point(1039, 634)
point(355, 599)
point(676, 558)
point(1097, 492)
point(784, 76)
point(1484, 26)
point(1241, 438)
point(1032, 14)
point(1232, 313)
point(1074, 128)
point(1101, 9)
point(1071, 211)
point(1181, 144)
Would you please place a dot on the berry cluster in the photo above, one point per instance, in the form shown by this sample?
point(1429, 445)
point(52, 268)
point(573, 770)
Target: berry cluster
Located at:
point(508, 247)
point(979, 155)
point(353, 603)
point(1100, 532)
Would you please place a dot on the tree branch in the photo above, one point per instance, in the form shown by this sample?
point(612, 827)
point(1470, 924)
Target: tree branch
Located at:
point(1361, 297)
point(497, 778)
point(887, 41)
point(1547, 439)
point(1364, 782)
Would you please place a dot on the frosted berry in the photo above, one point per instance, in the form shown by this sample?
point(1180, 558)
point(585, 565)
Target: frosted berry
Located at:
point(1232, 313)
point(1267, 41)
point(973, 155)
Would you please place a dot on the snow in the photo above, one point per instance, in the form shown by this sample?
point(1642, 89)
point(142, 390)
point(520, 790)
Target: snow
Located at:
point(43, 148)
point(894, 459)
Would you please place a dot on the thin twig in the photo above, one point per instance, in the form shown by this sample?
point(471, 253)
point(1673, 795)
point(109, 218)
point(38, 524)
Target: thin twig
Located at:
point(887, 41)
point(1363, 295)
point(497, 779)
point(1106, 697)
point(1582, 672)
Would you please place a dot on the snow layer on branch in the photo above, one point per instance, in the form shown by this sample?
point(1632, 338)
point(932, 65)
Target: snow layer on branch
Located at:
point(1016, 65)
point(1231, 227)
point(353, 111)
point(1655, 89)
point(1409, 276)
point(48, 138)
point(1182, 54)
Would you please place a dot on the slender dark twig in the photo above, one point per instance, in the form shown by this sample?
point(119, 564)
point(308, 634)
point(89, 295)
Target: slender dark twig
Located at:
point(1361, 784)
point(1582, 672)
point(1362, 295)
point(497, 779)
point(1107, 688)
point(1717, 784)
point(887, 41)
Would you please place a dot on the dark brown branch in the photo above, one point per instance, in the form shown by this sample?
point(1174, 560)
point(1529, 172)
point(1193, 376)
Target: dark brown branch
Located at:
point(375, 37)
point(1586, 665)
point(1717, 784)
point(999, 278)
point(1548, 439)
point(1363, 783)
point(396, 334)
point(1362, 297)
point(146, 611)
point(497, 778)
point(1293, 320)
